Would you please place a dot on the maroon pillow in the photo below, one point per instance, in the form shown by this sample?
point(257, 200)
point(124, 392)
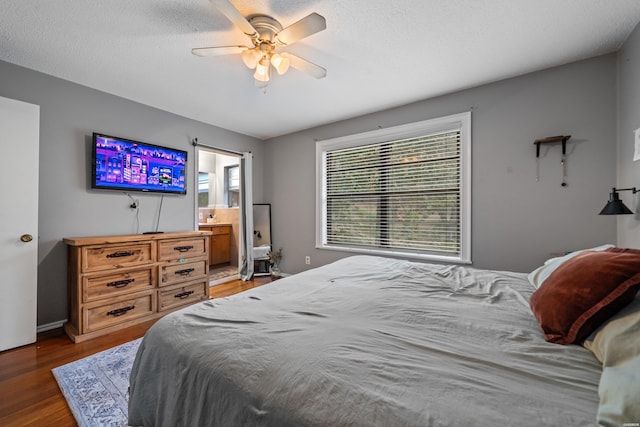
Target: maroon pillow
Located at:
point(584, 292)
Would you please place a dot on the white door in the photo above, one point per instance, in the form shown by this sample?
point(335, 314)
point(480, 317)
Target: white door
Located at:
point(19, 143)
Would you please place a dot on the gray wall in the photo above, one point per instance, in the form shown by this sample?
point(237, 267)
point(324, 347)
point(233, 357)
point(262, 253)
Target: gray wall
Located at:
point(628, 121)
point(69, 113)
point(517, 222)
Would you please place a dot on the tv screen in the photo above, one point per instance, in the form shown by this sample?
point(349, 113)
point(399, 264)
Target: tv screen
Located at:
point(126, 165)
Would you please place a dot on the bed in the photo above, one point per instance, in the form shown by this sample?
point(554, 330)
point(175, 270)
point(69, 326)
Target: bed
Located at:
point(371, 341)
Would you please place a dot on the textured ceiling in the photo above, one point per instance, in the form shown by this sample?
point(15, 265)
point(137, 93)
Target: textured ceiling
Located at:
point(378, 53)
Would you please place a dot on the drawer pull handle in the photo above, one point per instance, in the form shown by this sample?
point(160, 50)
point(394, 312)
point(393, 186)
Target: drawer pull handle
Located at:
point(120, 311)
point(121, 283)
point(183, 248)
point(120, 254)
point(183, 295)
point(185, 272)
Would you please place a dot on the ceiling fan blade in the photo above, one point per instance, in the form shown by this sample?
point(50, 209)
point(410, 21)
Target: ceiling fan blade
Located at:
point(310, 24)
point(218, 50)
point(235, 16)
point(305, 66)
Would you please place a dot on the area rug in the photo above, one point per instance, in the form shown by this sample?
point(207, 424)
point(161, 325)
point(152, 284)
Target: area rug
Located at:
point(96, 387)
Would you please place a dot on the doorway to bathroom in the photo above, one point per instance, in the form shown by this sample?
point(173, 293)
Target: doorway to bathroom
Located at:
point(219, 210)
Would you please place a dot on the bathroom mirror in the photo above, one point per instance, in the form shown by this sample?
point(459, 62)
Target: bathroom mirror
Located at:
point(218, 180)
point(203, 189)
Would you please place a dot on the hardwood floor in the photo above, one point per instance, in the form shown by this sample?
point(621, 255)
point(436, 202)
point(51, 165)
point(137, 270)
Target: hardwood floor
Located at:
point(29, 394)
point(230, 288)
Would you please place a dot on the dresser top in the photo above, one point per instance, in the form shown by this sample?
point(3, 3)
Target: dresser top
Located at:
point(99, 240)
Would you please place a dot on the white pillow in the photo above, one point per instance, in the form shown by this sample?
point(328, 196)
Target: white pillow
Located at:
point(540, 274)
point(617, 345)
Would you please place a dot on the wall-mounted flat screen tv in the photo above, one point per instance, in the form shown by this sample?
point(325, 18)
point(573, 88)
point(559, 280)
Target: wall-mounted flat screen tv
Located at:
point(127, 165)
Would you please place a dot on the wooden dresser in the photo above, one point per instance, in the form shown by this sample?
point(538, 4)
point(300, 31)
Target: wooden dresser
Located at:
point(118, 281)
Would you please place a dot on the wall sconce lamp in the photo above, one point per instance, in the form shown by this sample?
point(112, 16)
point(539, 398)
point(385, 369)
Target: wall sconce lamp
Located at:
point(615, 206)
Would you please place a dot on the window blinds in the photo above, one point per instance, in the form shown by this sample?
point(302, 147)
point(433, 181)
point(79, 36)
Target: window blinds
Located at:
point(396, 195)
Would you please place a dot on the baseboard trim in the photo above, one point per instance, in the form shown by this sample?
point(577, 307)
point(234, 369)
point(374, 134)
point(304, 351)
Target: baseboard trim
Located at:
point(50, 326)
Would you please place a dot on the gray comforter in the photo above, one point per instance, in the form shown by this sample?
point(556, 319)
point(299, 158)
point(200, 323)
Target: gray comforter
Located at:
point(365, 341)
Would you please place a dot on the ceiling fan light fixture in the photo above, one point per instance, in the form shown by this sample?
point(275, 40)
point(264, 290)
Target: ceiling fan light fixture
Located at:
point(280, 63)
point(250, 58)
point(262, 70)
point(260, 85)
point(267, 34)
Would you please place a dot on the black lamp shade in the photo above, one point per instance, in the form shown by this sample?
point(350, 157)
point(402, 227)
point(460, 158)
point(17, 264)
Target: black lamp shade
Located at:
point(615, 206)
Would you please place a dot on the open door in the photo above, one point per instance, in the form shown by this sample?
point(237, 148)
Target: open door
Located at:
point(224, 181)
point(20, 124)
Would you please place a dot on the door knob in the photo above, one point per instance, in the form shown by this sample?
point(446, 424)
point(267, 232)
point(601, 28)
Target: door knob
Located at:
point(26, 238)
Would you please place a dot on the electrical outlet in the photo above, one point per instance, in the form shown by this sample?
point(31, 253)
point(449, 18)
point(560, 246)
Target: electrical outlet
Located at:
point(307, 260)
point(200, 215)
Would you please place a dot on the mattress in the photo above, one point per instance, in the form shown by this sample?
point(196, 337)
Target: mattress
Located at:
point(364, 341)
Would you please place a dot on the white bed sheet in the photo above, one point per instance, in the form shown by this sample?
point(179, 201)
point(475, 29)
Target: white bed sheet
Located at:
point(365, 341)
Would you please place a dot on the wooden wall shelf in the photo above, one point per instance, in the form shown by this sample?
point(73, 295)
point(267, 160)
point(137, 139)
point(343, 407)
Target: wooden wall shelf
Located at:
point(553, 140)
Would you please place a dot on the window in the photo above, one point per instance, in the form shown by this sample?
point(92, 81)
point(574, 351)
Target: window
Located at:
point(403, 190)
point(232, 186)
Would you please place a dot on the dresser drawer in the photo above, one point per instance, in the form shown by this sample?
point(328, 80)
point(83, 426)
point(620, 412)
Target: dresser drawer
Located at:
point(96, 258)
point(181, 272)
point(97, 287)
point(183, 248)
point(176, 296)
point(118, 310)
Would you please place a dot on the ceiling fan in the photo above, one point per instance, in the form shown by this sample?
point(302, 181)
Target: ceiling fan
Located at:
point(267, 35)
